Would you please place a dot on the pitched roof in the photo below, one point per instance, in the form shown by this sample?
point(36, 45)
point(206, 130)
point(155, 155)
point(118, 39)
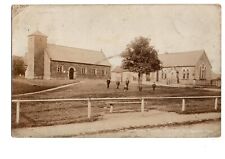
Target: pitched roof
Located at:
point(38, 33)
point(118, 69)
point(70, 54)
point(180, 58)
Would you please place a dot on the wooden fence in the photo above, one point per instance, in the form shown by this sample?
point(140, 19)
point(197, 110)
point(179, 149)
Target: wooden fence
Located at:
point(88, 100)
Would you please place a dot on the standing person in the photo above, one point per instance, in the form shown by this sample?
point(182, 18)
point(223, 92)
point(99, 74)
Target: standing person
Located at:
point(153, 86)
point(117, 84)
point(127, 83)
point(108, 82)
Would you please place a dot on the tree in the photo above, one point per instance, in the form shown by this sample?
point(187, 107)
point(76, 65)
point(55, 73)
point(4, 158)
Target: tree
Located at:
point(18, 67)
point(139, 56)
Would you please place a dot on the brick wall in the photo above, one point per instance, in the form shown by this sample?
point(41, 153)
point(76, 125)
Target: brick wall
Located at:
point(88, 70)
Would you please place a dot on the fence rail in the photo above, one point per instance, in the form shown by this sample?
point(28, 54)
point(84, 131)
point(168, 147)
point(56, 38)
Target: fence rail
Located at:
point(88, 100)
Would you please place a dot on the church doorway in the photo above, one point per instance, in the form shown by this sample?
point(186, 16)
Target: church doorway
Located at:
point(72, 73)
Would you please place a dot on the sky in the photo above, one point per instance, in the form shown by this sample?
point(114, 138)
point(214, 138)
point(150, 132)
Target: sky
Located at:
point(171, 28)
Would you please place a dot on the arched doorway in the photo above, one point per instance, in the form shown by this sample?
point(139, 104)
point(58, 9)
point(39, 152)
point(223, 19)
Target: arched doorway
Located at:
point(72, 73)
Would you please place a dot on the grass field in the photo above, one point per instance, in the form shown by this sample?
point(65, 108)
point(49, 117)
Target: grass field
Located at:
point(41, 113)
point(20, 85)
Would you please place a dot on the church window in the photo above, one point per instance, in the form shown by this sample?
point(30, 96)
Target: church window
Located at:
point(202, 74)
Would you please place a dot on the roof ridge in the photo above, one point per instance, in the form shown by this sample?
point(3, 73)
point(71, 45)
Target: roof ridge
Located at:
point(74, 47)
point(187, 58)
point(183, 52)
point(72, 54)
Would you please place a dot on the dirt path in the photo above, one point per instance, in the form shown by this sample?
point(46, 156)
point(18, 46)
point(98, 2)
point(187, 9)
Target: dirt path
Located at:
point(46, 90)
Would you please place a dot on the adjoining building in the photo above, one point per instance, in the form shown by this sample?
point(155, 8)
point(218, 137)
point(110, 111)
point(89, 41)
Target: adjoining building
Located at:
point(185, 68)
point(50, 61)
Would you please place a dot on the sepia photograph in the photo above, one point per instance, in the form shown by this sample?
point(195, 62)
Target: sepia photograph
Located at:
point(116, 71)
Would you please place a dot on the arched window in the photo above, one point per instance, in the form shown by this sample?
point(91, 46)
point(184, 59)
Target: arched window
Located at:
point(200, 72)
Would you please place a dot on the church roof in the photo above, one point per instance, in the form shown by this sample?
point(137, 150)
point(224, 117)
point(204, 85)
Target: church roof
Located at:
point(38, 33)
point(180, 58)
point(71, 54)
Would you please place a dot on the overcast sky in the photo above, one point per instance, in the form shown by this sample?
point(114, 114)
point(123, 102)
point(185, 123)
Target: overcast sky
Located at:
point(171, 28)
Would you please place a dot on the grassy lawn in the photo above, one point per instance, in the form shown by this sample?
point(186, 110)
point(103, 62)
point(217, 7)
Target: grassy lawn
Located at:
point(90, 88)
point(20, 85)
point(41, 113)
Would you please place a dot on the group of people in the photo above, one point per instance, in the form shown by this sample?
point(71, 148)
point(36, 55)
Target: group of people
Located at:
point(108, 81)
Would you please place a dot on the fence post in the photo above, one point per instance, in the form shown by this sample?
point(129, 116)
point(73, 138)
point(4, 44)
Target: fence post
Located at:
point(142, 105)
point(183, 105)
point(17, 112)
point(89, 108)
point(216, 104)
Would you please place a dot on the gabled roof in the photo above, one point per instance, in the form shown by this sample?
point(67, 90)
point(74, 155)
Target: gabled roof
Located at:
point(180, 58)
point(37, 33)
point(71, 54)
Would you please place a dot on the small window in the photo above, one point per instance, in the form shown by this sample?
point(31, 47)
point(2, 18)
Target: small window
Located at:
point(184, 73)
point(103, 72)
point(147, 76)
point(187, 74)
point(165, 75)
point(83, 71)
point(59, 68)
point(93, 71)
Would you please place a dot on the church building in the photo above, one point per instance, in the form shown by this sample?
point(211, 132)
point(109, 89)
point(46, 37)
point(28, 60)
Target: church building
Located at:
point(50, 61)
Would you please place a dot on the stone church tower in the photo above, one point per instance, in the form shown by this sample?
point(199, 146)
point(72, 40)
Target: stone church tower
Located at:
point(37, 43)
